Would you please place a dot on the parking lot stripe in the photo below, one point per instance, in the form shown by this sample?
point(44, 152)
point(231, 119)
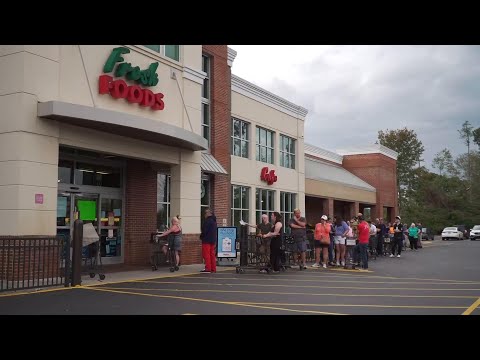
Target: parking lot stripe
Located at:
point(212, 301)
point(361, 305)
point(33, 291)
point(472, 307)
point(304, 286)
point(297, 293)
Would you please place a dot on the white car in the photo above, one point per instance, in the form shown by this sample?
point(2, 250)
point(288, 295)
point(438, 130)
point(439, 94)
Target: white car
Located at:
point(475, 233)
point(452, 233)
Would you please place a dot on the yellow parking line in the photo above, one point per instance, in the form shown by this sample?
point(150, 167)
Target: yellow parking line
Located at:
point(297, 293)
point(361, 305)
point(302, 286)
point(472, 307)
point(212, 301)
point(36, 291)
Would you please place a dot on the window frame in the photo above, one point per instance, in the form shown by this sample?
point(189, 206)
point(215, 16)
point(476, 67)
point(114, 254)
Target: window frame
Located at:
point(163, 53)
point(259, 146)
point(293, 204)
point(244, 142)
point(168, 201)
point(258, 200)
point(242, 209)
point(206, 115)
point(286, 153)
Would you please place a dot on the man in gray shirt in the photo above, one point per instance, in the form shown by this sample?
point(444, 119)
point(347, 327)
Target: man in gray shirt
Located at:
point(299, 233)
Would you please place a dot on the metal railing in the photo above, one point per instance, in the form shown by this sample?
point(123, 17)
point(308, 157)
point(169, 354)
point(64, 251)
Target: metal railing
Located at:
point(33, 262)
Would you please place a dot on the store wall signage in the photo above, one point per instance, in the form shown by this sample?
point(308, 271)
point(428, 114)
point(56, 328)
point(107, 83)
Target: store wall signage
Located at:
point(268, 176)
point(133, 93)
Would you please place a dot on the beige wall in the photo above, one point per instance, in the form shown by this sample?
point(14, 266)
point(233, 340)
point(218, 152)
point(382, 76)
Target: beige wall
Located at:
point(247, 171)
point(69, 73)
point(338, 191)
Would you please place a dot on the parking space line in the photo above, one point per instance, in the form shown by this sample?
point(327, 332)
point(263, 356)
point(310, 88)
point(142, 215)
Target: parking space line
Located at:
point(299, 293)
point(33, 291)
point(212, 301)
point(472, 307)
point(304, 286)
point(361, 305)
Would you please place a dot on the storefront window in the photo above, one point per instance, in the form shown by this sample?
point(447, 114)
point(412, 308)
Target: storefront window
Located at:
point(287, 152)
point(240, 204)
point(170, 51)
point(206, 98)
point(204, 196)
point(65, 171)
point(163, 201)
point(265, 201)
point(265, 145)
point(97, 175)
point(287, 205)
point(239, 138)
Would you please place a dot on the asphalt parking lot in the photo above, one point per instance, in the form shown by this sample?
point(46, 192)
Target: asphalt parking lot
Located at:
point(441, 278)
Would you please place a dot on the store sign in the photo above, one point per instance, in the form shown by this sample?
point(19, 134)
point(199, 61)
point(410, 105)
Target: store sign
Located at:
point(133, 93)
point(226, 242)
point(268, 176)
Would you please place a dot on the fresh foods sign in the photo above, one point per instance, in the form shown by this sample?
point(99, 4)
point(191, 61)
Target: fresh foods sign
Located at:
point(133, 93)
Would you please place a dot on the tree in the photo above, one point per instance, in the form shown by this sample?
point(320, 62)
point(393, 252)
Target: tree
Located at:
point(466, 134)
point(443, 161)
point(410, 150)
point(476, 137)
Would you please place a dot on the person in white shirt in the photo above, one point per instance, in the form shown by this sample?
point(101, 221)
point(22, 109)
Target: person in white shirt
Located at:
point(373, 238)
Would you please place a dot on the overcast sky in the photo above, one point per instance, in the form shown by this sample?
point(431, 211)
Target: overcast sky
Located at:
point(351, 92)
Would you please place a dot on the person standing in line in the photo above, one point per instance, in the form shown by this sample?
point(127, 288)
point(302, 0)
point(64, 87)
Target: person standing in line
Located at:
point(263, 228)
point(397, 237)
point(331, 247)
point(381, 231)
point(209, 240)
point(276, 236)
point(341, 231)
point(322, 241)
point(420, 232)
point(299, 233)
point(362, 246)
point(413, 236)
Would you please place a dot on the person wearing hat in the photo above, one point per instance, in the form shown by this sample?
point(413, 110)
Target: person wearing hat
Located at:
point(322, 241)
point(397, 237)
point(361, 249)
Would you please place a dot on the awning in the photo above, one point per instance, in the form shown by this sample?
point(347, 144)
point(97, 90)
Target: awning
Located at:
point(122, 124)
point(317, 170)
point(211, 165)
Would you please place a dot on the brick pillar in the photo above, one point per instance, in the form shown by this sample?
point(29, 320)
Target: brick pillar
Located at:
point(220, 127)
point(330, 208)
point(140, 211)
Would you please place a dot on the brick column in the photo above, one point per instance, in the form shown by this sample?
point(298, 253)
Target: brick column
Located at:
point(140, 211)
point(330, 208)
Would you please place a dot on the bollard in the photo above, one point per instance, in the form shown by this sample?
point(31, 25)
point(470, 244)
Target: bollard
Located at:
point(77, 253)
point(243, 245)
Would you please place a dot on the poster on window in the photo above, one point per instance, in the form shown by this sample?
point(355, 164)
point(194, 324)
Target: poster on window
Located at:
point(226, 242)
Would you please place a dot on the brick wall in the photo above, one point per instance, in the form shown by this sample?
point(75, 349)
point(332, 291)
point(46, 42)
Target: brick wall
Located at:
point(140, 211)
point(379, 171)
point(314, 209)
point(191, 249)
point(220, 103)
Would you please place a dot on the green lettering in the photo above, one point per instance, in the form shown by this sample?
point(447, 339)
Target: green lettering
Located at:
point(123, 69)
point(114, 57)
point(134, 74)
point(144, 75)
point(152, 76)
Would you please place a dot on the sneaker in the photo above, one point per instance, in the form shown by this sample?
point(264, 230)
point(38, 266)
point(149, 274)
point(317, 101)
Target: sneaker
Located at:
point(263, 271)
point(392, 255)
point(304, 267)
point(205, 271)
point(337, 264)
point(398, 256)
point(342, 263)
point(275, 271)
point(324, 266)
point(315, 265)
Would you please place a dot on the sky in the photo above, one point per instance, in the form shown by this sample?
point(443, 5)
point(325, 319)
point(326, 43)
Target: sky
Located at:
point(352, 92)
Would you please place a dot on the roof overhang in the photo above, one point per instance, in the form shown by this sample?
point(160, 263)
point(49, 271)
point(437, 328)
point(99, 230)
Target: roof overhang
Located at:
point(122, 124)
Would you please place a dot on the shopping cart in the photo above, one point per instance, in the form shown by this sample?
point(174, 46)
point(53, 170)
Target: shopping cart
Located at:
point(350, 248)
point(157, 256)
point(91, 257)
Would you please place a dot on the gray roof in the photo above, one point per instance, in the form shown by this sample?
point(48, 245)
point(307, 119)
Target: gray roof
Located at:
point(323, 153)
point(319, 170)
point(210, 164)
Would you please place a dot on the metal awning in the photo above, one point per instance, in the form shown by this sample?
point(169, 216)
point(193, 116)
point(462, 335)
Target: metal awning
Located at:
point(122, 124)
point(211, 165)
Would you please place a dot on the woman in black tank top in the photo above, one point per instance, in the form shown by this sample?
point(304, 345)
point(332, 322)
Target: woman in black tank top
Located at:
point(276, 234)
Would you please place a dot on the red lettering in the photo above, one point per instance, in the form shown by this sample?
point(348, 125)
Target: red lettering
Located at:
point(159, 104)
point(104, 84)
point(119, 90)
point(269, 177)
point(148, 98)
point(135, 94)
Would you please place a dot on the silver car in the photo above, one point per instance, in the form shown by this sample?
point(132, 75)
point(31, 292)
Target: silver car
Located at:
point(475, 233)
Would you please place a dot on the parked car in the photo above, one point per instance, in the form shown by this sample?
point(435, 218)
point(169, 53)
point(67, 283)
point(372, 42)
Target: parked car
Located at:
point(427, 234)
point(464, 230)
point(475, 233)
point(452, 232)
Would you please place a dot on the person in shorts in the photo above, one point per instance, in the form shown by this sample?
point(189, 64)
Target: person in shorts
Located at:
point(322, 241)
point(175, 232)
point(263, 228)
point(341, 231)
point(299, 233)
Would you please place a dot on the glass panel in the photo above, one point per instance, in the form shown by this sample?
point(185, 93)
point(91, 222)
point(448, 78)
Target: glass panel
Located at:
point(263, 154)
point(259, 217)
point(162, 216)
point(282, 201)
point(245, 149)
point(65, 170)
point(205, 64)
point(271, 200)
point(245, 202)
point(245, 216)
point(269, 155)
point(236, 128)
point(244, 130)
point(292, 146)
point(292, 161)
point(258, 204)
point(236, 147)
point(236, 197)
point(206, 132)
point(63, 210)
point(257, 156)
point(257, 135)
point(205, 114)
point(286, 160)
point(237, 216)
point(264, 204)
point(94, 175)
point(172, 51)
point(153, 47)
point(263, 137)
point(110, 246)
point(205, 88)
point(282, 161)
point(294, 202)
point(161, 188)
point(272, 141)
point(84, 174)
point(282, 142)
point(205, 192)
point(111, 212)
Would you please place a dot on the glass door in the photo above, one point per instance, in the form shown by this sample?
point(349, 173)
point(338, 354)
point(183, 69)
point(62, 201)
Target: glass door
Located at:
point(111, 217)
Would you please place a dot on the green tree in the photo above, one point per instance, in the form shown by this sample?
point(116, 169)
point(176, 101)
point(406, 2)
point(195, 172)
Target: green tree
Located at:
point(410, 149)
point(466, 134)
point(444, 161)
point(476, 136)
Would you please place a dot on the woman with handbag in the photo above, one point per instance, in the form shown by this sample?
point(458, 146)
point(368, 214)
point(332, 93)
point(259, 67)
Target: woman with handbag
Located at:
point(322, 241)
